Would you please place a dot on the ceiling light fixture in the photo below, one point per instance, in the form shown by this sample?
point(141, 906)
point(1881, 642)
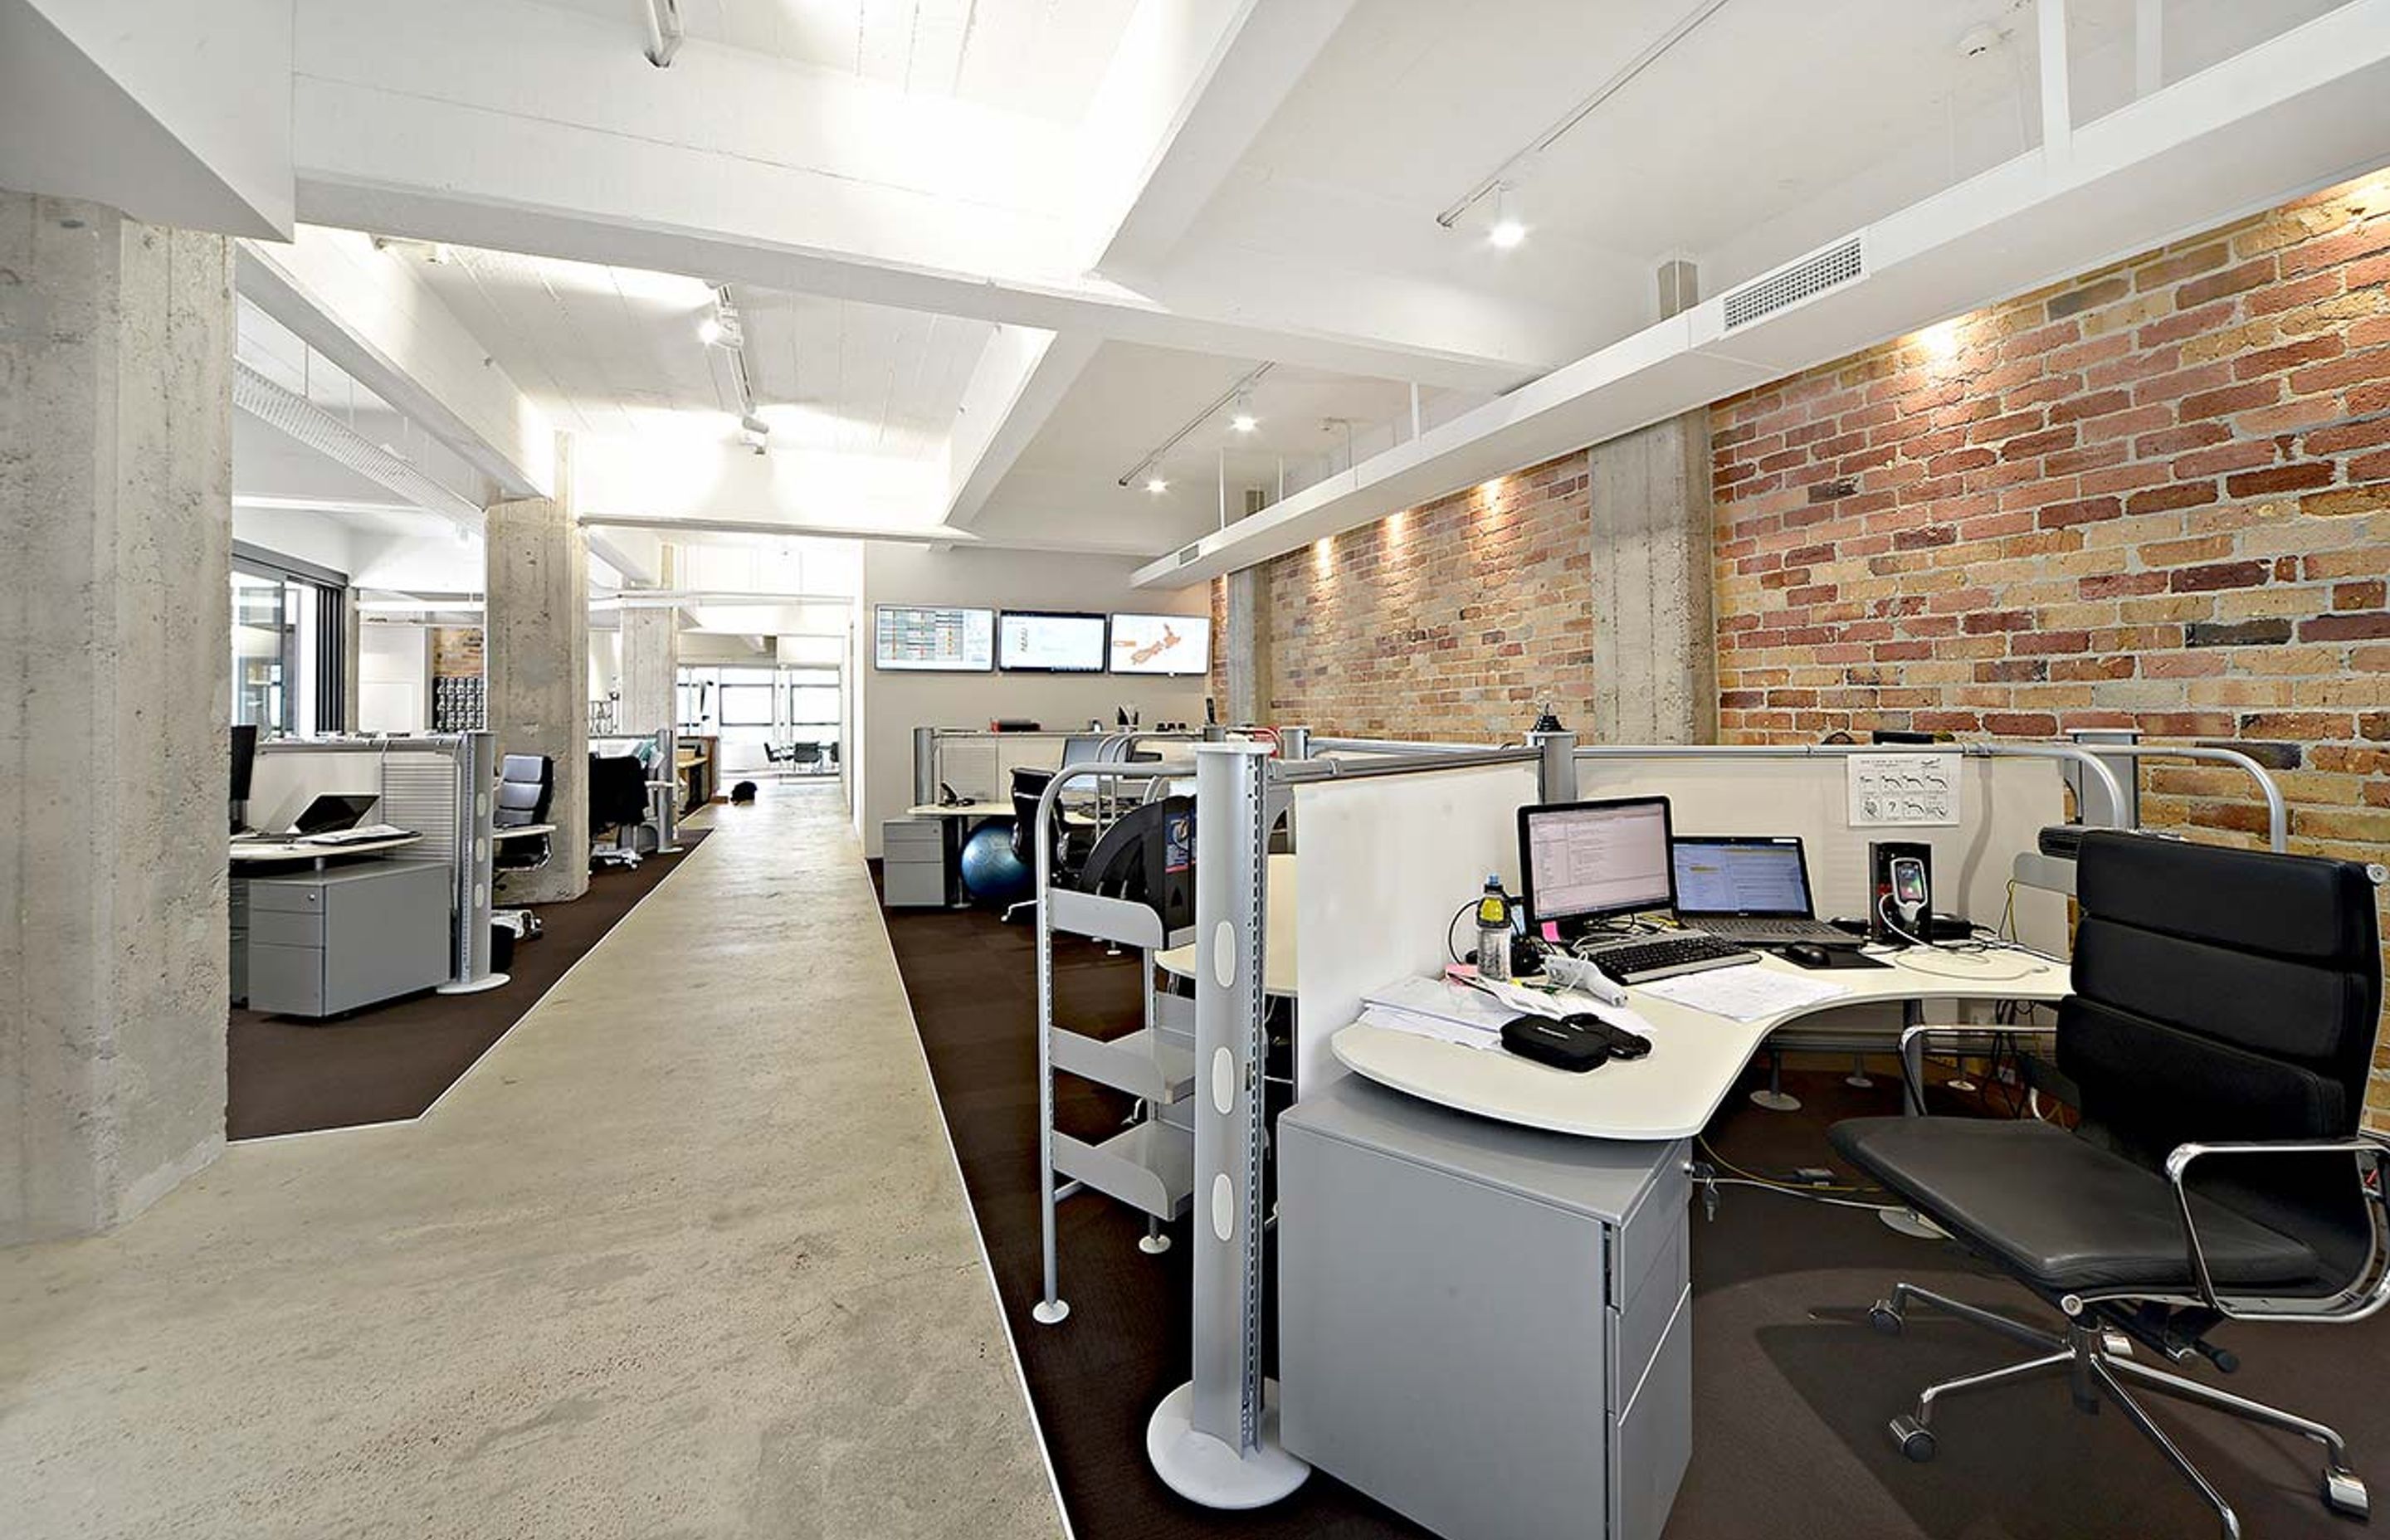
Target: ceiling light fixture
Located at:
point(709, 331)
point(722, 326)
point(1506, 230)
point(1156, 485)
point(1509, 169)
point(1240, 392)
point(1244, 421)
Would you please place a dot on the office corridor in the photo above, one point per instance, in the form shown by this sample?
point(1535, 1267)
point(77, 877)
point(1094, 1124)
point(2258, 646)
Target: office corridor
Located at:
point(684, 1255)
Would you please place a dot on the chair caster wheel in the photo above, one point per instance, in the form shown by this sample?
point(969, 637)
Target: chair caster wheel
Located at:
point(1912, 1438)
point(2343, 1492)
point(1884, 1318)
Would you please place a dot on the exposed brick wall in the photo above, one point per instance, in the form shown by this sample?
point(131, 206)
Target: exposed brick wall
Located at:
point(1452, 621)
point(2157, 496)
point(1217, 685)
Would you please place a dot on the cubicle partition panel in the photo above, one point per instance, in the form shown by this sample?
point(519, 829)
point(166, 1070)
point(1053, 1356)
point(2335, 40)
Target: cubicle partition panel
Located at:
point(1384, 865)
point(439, 786)
point(2002, 804)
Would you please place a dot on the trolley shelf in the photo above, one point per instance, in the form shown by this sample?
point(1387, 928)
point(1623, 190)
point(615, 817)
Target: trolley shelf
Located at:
point(1143, 1063)
point(1113, 920)
point(1150, 1166)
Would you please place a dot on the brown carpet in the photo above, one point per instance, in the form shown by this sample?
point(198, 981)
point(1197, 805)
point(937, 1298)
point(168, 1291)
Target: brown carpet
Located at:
point(1791, 1390)
point(287, 1075)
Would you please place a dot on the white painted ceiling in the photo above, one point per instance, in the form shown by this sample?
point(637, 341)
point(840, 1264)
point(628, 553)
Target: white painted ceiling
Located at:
point(1043, 59)
point(1309, 187)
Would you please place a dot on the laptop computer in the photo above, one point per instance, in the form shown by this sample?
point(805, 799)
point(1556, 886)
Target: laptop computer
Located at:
point(1754, 888)
point(333, 811)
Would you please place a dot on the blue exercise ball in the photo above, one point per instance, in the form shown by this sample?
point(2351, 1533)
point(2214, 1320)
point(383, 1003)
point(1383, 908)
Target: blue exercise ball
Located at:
point(992, 874)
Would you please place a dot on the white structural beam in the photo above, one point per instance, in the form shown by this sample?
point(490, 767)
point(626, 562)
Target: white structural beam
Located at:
point(2302, 110)
point(1021, 375)
point(371, 313)
point(1189, 88)
point(174, 113)
point(421, 122)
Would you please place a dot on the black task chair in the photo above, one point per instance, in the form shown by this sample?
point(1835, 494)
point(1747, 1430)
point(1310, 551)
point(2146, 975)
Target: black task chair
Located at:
point(1070, 845)
point(526, 785)
point(2221, 1027)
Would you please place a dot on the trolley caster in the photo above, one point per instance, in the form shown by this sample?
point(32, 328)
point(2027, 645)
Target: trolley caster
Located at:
point(1153, 1245)
point(1912, 1438)
point(1884, 1318)
point(1050, 1314)
point(2343, 1492)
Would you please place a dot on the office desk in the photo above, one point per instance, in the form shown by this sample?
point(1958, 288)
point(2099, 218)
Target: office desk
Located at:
point(1695, 1060)
point(988, 810)
point(520, 831)
point(259, 852)
point(1277, 941)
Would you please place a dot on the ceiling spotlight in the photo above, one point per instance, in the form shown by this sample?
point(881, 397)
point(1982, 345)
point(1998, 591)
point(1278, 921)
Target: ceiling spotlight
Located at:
point(1244, 421)
point(1156, 485)
point(1507, 231)
point(709, 331)
point(722, 326)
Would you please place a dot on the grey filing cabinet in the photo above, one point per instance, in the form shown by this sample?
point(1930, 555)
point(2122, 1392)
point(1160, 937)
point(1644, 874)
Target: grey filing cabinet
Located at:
point(914, 871)
point(323, 941)
point(1486, 1328)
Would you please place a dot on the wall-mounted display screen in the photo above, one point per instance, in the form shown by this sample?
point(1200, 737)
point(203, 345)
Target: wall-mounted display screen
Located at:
point(934, 638)
point(1161, 644)
point(1044, 642)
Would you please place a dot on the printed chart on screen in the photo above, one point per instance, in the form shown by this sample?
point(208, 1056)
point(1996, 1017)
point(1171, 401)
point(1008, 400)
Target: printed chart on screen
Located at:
point(1161, 644)
point(1032, 641)
point(932, 638)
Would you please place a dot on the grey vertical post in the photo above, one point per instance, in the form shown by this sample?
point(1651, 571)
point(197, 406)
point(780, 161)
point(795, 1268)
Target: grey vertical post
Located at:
point(2093, 806)
point(1214, 1439)
point(1556, 775)
point(1244, 646)
point(1294, 743)
point(925, 766)
point(476, 763)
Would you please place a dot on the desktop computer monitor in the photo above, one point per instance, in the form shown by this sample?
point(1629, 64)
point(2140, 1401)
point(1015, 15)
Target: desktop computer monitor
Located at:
point(1586, 861)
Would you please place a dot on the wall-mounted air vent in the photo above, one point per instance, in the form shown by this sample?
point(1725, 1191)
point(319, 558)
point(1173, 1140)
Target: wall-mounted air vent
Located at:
point(1188, 553)
point(1795, 282)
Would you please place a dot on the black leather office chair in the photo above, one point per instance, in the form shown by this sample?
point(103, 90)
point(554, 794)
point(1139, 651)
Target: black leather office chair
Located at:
point(526, 785)
point(2221, 1026)
point(1069, 846)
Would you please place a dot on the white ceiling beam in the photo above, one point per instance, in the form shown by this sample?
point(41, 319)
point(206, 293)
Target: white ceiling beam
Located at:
point(1021, 375)
point(1187, 92)
point(422, 120)
point(2303, 111)
point(371, 313)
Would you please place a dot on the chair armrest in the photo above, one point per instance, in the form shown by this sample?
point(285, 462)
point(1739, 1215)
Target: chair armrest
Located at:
point(2357, 1299)
point(1913, 1051)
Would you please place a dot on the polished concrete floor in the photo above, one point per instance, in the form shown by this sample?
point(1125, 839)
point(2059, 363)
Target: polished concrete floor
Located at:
point(685, 1255)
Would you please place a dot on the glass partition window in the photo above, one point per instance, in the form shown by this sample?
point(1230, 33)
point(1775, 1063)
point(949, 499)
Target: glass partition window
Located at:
point(263, 631)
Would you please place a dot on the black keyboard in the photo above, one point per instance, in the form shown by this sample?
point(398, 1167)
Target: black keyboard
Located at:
point(1639, 961)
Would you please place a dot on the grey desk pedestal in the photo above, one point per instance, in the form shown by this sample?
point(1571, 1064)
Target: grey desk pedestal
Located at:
point(1487, 1328)
point(323, 941)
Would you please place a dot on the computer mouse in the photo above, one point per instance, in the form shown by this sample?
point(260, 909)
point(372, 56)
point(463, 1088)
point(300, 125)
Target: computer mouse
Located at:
point(1809, 955)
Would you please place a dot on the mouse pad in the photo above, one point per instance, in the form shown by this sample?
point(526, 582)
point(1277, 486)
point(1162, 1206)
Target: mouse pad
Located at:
point(1839, 957)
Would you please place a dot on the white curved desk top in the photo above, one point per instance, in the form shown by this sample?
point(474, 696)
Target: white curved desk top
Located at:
point(1695, 1060)
point(1278, 939)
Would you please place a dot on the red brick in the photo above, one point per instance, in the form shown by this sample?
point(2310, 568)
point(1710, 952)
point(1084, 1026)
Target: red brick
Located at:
point(2231, 399)
point(2182, 495)
point(2303, 477)
point(2222, 574)
point(2232, 280)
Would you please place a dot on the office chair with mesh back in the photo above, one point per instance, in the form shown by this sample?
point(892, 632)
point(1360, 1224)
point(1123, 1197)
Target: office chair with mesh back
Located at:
point(2221, 1025)
point(1070, 847)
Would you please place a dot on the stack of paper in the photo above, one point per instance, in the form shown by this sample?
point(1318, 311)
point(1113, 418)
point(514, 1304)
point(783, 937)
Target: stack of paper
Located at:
point(1745, 994)
point(1469, 1015)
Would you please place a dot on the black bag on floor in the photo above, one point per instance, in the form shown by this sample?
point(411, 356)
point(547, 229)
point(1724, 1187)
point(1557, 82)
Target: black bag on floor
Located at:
point(743, 792)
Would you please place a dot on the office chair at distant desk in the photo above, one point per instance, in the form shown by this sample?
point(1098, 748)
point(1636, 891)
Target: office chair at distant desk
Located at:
point(2221, 1027)
point(1069, 846)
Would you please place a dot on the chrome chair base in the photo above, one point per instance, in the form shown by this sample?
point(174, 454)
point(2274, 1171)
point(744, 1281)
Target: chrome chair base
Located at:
point(2097, 1363)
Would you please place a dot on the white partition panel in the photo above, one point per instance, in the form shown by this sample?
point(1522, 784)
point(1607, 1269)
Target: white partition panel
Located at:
point(1381, 865)
point(285, 778)
point(2004, 804)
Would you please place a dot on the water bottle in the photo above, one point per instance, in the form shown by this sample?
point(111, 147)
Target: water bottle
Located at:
point(1494, 933)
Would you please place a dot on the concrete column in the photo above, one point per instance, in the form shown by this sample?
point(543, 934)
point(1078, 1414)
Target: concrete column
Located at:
point(650, 664)
point(116, 343)
point(536, 658)
point(1654, 636)
point(1245, 646)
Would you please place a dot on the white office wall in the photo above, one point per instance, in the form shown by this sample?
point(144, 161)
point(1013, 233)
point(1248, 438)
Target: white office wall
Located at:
point(320, 538)
point(393, 678)
point(892, 704)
